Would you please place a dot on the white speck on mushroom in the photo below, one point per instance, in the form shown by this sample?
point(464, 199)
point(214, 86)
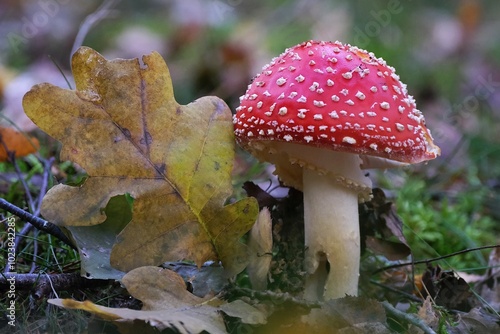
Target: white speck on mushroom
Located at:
point(361, 115)
point(330, 70)
point(302, 99)
point(314, 86)
point(312, 63)
point(266, 93)
point(384, 88)
point(388, 150)
point(291, 68)
point(282, 96)
point(300, 78)
point(333, 114)
point(385, 105)
point(332, 129)
point(348, 57)
point(308, 138)
point(287, 137)
point(268, 73)
point(318, 70)
point(371, 127)
point(371, 113)
point(249, 134)
point(380, 74)
point(323, 135)
point(252, 97)
point(330, 82)
point(410, 127)
point(320, 90)
point(373, 146)
point(344, 91)
point(352, 115)
point(347, 75)
point(259, 104)
point(260, 83)
point(335, 98)
point(336, 49)
point(360, 95)
point(261, 132)
point(250, 109)
point(319, 103)
point(318, 117)
point(271, 108)
point(396, 89)
point(283, 111)
point(349, 140)
point(401, 109)
point(293, 95)
point(268, 113)
point(400, 126)
point(281, 81)
point(350, 102)
point(343, 112)
point(373, 89)
point(332, 60)
point(323, 127)
point(385, 119)
point(310, 52)
point(301, 113)
point(281, 69)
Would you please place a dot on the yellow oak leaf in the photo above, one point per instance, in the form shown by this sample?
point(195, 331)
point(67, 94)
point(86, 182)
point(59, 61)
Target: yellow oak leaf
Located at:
point(167, 304)
point(124, 127)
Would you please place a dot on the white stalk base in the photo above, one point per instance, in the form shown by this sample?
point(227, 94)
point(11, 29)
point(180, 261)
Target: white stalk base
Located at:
point(331, 235)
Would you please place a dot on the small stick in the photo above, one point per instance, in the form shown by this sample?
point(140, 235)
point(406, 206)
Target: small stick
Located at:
point(39, 223)
point(463, 251)
point(407, 317)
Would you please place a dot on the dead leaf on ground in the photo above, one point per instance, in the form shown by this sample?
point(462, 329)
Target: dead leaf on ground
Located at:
point(124, 127)
point(260, 248)
point(380, 222)
point(167, 304)
point(12, 140)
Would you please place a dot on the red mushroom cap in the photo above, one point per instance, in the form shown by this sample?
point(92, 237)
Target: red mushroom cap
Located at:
point(327, 94)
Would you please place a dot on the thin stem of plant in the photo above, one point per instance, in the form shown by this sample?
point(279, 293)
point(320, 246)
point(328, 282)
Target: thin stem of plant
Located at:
point(407, 317)
point(39, 223)
point(398, 265)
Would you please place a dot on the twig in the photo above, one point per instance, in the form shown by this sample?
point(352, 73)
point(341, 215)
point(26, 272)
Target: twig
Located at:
point(407, 317)
point(43, 283)
point(39, 223)
point(92, 19)
point(434, 259)
point(405, 294)
point(12, 159)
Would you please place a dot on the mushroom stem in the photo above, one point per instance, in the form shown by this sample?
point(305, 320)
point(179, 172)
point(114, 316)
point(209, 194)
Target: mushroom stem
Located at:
point(332, 183)
point(331, 237)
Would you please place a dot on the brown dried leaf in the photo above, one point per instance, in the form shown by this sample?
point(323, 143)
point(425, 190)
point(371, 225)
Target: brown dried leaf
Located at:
point(260, 247)
point(13, 141)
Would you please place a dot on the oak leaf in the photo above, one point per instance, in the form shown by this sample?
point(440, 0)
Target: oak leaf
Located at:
point(124, 127)
point(167, 304)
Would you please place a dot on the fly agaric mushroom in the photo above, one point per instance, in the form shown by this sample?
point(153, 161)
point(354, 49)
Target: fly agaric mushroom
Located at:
point(322, 112)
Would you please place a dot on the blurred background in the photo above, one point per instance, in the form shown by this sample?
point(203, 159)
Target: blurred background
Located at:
point(448, 53)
